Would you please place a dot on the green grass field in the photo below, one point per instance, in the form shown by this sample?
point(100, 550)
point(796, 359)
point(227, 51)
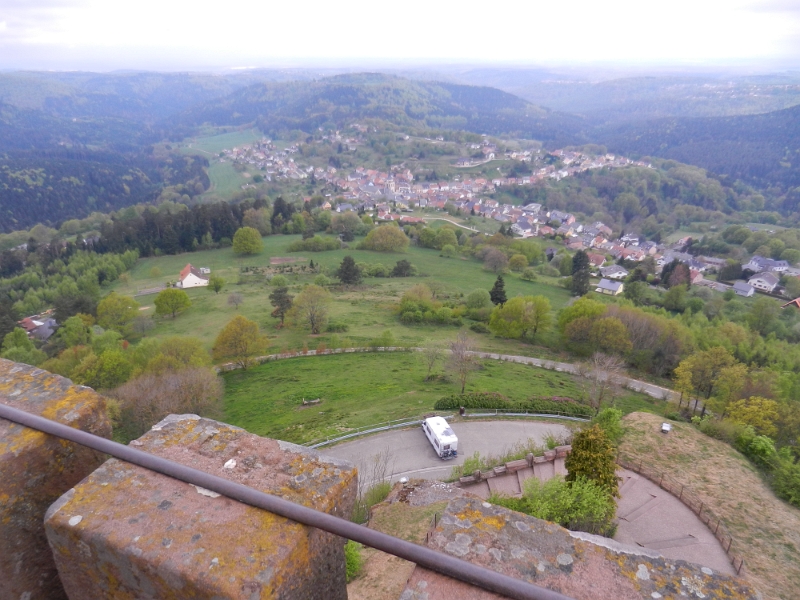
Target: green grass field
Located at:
point(367, 311)
point(216, 143)
point(225, 180)
point(367, 388)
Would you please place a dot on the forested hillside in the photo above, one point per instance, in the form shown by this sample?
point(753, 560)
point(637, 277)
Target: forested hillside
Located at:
point(278, 108)
point(761, 149)
point(52, 186)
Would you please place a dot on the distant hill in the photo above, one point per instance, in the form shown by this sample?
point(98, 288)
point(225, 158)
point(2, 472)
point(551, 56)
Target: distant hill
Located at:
point(760, 149)
point(340, 100)
point(604, 97)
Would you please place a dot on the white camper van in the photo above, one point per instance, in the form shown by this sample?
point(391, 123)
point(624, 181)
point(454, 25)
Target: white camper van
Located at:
point(441, 437)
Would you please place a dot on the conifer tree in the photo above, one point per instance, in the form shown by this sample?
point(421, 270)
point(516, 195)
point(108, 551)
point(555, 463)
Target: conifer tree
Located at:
point(498, 291)
point(348, 272)
point(592, 457)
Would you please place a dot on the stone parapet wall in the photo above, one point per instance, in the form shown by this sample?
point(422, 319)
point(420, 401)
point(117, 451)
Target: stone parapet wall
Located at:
point(127, 532)
point(516, 465)
point(575, 564)
point(36, 469)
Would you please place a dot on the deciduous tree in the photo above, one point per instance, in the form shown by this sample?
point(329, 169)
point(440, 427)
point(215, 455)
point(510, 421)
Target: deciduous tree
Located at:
point(235, 300)
point(495, 260)
point(346, 225)
point(117, 312)
point(760, 413)
point(247, 240)
point(239, 341)
point(461, 361)
point(521, 317)
point(171, 301)
point(386, 238)
point(310, 308)
point(216, 283)
point(147, 399)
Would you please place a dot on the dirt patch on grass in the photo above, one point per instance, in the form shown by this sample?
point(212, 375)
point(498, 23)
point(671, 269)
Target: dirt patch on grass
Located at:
point(766, 530)
point(281, 260)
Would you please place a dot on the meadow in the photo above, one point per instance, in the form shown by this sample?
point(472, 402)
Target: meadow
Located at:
point(367, 388)
point(366, 311)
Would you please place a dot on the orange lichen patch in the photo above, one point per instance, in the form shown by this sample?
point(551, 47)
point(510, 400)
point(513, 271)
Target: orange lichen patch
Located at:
point(37, 469)
point(143, 531)
point(547, 555)
point(481, 520)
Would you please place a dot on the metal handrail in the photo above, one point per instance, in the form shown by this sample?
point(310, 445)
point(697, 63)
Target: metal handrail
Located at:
point(425, 557)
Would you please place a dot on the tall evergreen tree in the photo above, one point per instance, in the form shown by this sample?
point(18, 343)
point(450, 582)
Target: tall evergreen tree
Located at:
point(498, 291)
point(348, 272)
point(580, 273)
point(580, 261)
point(282, 302)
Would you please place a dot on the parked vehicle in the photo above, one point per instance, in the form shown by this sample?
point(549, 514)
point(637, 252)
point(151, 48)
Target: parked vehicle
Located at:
point(441, 437)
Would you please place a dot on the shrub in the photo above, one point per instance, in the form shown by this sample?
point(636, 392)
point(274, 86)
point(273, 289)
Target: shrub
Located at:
point(478, 299)
point(726, 431)
point(474, 400)
point(761, 450)
point(386, 238)
point(479, 328)
point(493, 400)
point(528, 275)
point(279, 281)
point(335, 327)
point(580, 505)
point(610, 421)
point(786, 481)
point(321, 280)
point(317, 243)
point(449, 251)
point(384, 340)
point(480, 314)
point(353, 560)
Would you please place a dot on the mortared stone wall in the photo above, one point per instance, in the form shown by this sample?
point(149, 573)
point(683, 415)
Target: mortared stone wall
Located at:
point(128, 533)
point(578, 565)
point(35, 469)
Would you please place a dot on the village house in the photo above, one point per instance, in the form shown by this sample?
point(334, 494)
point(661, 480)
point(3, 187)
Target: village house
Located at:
point(596, 260)
point(612, 288)
point(765, 282)
point(759, 264)
point(191, 277)
point(614, 272)
point(741, 288)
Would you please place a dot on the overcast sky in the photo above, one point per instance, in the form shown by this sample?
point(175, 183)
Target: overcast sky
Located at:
point(171, 34)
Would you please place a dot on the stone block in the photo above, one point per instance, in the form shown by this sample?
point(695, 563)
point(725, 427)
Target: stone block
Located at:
point(562, 451)
point(537, 460)
point(550, 455)
point(578, 565)
point(127, 532)
point(36, 469)
point(516, 465)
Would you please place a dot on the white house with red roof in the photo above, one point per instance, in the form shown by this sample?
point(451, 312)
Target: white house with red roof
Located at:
point(191, 277)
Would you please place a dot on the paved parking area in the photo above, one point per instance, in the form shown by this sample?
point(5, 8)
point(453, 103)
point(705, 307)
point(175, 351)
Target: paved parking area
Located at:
point(411, 454)
point(647, 515)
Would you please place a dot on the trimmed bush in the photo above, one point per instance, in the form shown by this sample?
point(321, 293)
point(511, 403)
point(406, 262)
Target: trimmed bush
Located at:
point(492, 400)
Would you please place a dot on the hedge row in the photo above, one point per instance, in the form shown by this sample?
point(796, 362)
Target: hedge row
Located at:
point(544, 404)
point(475, 400)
